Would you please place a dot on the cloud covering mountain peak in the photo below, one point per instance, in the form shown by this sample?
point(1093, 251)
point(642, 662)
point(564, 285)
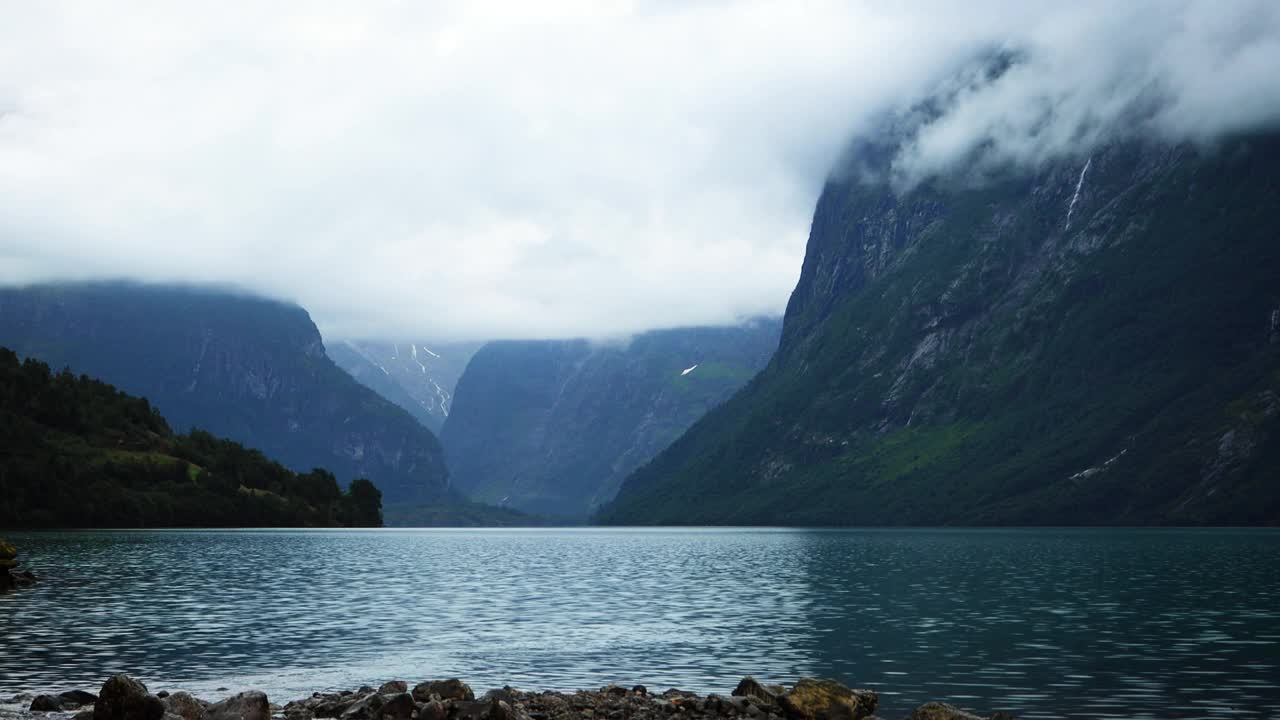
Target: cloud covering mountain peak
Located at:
point(484, 169)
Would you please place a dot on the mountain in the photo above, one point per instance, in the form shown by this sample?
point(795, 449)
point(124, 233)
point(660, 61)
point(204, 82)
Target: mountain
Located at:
point(245, 368)
point(419, 377)
point(76, 452)
point(552, 427)
point(1096, 341)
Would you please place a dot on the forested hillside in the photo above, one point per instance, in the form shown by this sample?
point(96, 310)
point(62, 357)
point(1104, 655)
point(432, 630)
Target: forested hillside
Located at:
point(76, 452)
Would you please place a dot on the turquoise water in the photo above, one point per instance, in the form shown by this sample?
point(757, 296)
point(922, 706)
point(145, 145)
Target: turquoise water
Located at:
point(1048, 623)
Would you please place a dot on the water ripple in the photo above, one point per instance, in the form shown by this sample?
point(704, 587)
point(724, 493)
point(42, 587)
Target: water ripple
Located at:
point(1048, 623)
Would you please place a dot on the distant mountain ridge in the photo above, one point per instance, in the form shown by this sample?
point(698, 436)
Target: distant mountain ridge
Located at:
point(552, 427)
point(1093, 342)
point(246, 368)
point(418, 376)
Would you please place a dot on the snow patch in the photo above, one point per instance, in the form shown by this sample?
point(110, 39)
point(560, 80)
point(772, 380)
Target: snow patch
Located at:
point(1090, 472)
point(414, 348)
point(686, 371)
point(443, 396)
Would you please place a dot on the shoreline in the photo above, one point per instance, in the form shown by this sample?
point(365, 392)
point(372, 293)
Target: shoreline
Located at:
point(123, 698)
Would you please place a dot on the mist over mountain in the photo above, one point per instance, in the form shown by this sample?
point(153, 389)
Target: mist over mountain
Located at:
point(552, 170)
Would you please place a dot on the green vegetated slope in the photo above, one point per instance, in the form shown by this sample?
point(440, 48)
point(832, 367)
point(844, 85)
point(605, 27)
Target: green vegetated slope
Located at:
point(958, 354)
point(249, 369)
point(76, 452)
point(553, 427)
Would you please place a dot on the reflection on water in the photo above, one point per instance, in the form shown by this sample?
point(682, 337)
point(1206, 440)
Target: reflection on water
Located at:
point(1049, 623)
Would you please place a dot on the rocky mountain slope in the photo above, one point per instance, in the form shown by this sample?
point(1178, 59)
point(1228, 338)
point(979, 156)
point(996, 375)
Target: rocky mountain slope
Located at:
point(419, 377)
point(244, 368)
point(552, 427)
point(1093, 342)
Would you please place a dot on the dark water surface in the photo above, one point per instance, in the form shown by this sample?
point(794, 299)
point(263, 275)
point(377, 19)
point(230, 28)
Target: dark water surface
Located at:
point(1048, 623)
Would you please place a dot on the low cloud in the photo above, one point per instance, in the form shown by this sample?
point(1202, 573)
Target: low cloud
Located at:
point(1188, 71)
point(480, 170)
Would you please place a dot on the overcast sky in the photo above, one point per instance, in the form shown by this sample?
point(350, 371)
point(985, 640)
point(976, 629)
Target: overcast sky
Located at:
point(543, 169)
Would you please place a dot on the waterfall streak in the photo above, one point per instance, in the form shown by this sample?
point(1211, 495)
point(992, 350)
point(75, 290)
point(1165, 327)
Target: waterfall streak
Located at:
point(1076, 196)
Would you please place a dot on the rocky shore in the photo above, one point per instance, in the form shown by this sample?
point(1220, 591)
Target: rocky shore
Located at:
point(124, 698)
point(10, 575)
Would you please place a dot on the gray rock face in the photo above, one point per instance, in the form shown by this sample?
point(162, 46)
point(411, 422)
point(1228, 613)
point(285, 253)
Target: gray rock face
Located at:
point(250, 705)
point(123, 698)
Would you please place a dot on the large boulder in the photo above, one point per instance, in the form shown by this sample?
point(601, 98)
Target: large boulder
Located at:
point(399, 706)
point(941, 711)
point(432, 710)
point(368, 707)
point(393, 687)
point(185, 706)
point(46, 703)
point(750, 687)
point(7, 550)
point(491, 709)
point(451, 689)
point(76, 698)
point(812, 699)
point(123, 698)
point(249, 705)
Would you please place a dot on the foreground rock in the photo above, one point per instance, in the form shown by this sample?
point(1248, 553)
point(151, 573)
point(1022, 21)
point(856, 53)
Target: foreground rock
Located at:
point(827, 700)
point(943, 711)
point(10, 575)
point(123, 698)
point(251, 705)
point(451, 689)
point(185, 706)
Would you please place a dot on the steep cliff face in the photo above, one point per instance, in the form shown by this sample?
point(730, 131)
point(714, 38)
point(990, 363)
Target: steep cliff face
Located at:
point(245, 368)
point(1089, 343)
point(553, 427)
point(418, 376)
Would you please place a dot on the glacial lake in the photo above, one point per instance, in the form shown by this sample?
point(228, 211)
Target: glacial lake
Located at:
point(1045, 623)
